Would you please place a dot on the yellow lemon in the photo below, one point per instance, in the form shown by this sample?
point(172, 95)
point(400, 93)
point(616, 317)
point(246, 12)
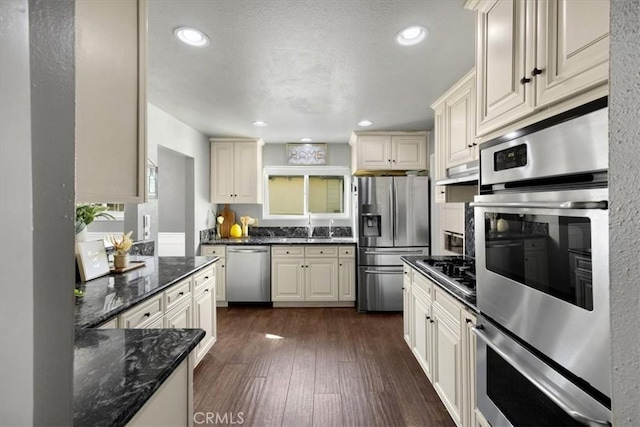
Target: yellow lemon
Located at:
point(236, 231)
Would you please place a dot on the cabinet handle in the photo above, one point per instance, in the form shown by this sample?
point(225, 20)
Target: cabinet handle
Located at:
point(432, 321)
point(206, 290)
point(469, 145)
point(474, 144)
point(536, 71)
point(206, 277)
point(524, 80)
point(180, 294)
point(146, 315)
point(428, 318)
point(467, 320)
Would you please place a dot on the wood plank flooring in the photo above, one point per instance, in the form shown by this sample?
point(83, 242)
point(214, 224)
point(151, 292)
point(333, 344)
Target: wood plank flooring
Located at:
point(332, 367)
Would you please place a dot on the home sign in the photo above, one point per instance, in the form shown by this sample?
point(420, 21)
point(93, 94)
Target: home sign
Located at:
point(307, 154)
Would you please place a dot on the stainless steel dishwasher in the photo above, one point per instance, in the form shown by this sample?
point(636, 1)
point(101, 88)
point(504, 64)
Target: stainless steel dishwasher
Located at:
point(248, 274)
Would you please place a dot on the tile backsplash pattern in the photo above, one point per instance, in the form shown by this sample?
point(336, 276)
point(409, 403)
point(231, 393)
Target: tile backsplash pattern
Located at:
point(469, 232)
point(210, 234)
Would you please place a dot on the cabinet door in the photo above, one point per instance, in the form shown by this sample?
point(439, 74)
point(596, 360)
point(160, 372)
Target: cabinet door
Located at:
point(422, 331)
point(347, 280)
point(408, 152)
point(504, 55)
point(179, 317)
point(246, 172)
point(407, 312)
point(321, 279)
point(287, 279)
point(460, 121)
point(221, 280)
point(110, 101)
point(469, 402)
point(572, 47)
point(374, 152)
point(222, 168)
point(204, 317)
point(447, 365)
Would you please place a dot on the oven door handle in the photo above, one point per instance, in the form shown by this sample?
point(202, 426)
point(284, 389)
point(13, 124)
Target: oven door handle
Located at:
point(478, 330)
point(602, 204)
point(384, 271)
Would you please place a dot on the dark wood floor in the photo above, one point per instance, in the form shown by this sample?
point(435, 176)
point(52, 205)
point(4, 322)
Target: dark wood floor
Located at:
point(333, 367)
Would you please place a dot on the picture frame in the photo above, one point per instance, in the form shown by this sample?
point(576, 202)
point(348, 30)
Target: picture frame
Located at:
point(92, 260)
point(306, 154)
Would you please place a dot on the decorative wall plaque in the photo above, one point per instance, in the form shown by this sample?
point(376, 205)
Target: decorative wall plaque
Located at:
point(307, 154)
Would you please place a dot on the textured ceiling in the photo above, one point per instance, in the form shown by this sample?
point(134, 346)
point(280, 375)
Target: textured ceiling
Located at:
point(310, 68)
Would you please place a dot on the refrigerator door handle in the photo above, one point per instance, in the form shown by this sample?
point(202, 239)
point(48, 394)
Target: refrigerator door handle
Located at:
point(392, 208)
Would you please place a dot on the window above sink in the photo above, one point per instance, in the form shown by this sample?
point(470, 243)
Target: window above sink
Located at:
point(293, 192)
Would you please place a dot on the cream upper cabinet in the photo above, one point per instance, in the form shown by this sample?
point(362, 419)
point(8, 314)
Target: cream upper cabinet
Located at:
point(371, 151)
point(236, 170)
point(535, 53)
point(111, 101)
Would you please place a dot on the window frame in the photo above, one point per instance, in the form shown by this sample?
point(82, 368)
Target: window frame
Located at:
point(306, 172)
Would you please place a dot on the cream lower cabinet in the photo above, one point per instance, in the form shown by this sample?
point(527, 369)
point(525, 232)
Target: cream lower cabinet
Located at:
point(180, 317)
point(440, 337)
point(204, 309)
point(407, 317)
point(314, 273)
point(532, 54)
point(221, 282)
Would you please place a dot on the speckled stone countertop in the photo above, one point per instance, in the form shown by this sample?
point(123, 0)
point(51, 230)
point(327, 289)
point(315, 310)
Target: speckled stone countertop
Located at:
point(469, 301)
point(117, 370)
point(108, 296)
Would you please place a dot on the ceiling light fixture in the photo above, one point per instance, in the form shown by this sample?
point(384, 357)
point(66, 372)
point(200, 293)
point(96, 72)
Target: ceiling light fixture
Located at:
point(259, 123)
point(411, 35)
point(191, 36)
point(365, 123)
point(306, 140)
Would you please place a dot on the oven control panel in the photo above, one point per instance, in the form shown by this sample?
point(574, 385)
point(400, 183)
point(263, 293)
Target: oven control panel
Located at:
point(509, 158)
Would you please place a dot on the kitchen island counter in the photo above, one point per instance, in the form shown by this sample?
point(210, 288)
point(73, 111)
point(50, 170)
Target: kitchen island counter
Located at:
point(116, 371)
point(106, 297)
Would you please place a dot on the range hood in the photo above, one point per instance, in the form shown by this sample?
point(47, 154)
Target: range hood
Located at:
point(466, 174)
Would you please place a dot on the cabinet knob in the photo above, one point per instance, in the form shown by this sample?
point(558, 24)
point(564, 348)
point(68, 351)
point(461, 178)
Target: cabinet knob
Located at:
point(206, 290)
point(474, 144)
point(222, 266)
point(432, 321)
point(146, 315)
point(394, 160)
point(536, 71)
point(321, 252)
point(341, 266)
point(428, 318)
point(524, 80)
point(469, 145)
point(389, 160)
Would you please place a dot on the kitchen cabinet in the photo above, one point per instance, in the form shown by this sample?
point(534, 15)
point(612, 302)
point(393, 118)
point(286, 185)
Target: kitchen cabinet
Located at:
point(220, 271)
point(143, 314)
point(111, 101)
point(313, 274)
point(374, 151)
point(456, 123)
point(536, 265)
point(236, 170)
point(407, 312)
point(533, 54)
point(180, 316)
point(110, 324)
point(347, 274)
point(204, 317)
point(442, 342)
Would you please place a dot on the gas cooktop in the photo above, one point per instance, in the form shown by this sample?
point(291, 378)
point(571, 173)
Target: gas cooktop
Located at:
point(458, 272)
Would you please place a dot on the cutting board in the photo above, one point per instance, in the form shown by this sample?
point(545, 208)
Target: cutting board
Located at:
point(229, 219)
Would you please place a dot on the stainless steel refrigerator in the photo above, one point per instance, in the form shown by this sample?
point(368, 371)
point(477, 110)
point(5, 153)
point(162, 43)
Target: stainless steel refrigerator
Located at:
point(392, 220)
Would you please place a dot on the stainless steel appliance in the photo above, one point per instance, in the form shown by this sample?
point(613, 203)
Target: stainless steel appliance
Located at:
point(248, 274)
point(459, 272)
point(543, 201)
point(393, 221)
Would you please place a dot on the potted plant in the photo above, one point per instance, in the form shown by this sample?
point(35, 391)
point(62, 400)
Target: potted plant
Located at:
point(122, 246)
point(85, 214)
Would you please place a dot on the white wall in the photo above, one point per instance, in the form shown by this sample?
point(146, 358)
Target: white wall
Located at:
point(37, 212)
point(171, 191)
point(167, 131)
point(624, 232)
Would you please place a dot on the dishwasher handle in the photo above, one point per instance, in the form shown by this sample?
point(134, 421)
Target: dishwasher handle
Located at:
point(248, 251)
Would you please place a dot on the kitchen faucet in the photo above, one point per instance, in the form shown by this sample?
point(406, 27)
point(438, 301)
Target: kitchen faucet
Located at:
point(330, 225)
point(309, 227)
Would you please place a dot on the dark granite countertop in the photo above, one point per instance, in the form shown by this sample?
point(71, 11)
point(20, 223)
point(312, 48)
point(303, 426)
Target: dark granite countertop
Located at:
point(108, 296)
point(469, 301)
point(514, 235)
point(276, 240)
point(117, 370)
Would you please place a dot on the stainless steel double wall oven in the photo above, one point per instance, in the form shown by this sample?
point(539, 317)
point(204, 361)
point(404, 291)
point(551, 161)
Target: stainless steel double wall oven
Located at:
point(542, 258)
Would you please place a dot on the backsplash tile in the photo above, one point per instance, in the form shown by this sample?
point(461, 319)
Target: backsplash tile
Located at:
point(469, 232)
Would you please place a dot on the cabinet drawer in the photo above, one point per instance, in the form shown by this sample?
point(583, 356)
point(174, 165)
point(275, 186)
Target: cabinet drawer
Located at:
point(583, 263)
point(287, 251)
point(347, 252)
point(321, 251)
point(535, 244)
point(408, 272)
point(203, 277)
point(143, 314)
point(212, 250)
point(447, 303)
point(177, 293)
point(419, 281)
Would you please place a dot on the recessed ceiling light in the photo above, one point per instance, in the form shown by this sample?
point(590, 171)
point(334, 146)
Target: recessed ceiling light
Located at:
point(259, 123)
point(411, 35)
point(306, 140)
point(365, 123)
point(191, 36)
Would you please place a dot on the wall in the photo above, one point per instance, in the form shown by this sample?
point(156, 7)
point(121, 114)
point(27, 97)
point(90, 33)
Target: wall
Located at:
point(171, 186)
point(275, 155)
point(164, 130)
point(624, 149)
point(37, 190)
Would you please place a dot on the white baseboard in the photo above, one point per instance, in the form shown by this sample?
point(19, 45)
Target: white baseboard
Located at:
point(171, 244)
